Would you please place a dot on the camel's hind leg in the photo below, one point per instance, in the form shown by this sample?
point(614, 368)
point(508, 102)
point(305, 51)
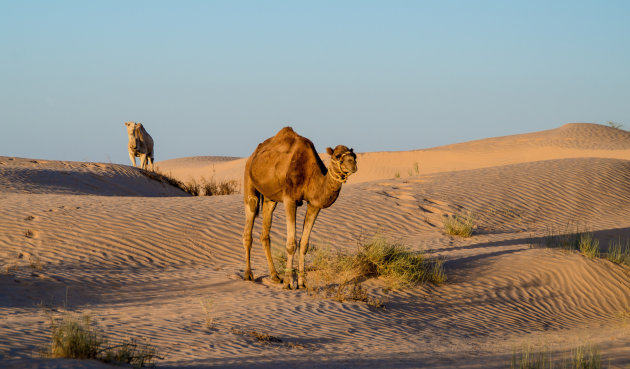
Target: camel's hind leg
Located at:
point(309, 221)
point(143, 161)
point(251, 210)
point(268, 206)
point(290, 208)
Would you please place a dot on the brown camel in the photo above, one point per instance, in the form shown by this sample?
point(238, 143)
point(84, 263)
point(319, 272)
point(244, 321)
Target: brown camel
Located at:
point(286, 168)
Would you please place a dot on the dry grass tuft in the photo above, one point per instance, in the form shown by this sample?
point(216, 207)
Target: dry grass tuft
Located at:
point(619, 252)
point(338, 275)
point(259, 336)
point(207, 305)
point(571, 238)
point(79, 338)
point(583, 357)
point(459, 224)
point(203, 188)
point(214, 188)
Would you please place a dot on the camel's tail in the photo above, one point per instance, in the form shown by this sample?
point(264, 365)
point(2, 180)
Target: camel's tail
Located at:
point(261, 198)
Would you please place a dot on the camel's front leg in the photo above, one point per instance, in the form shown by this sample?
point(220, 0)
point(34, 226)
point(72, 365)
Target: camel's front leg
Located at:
point(132, 156)
point(268, 207)
point(251, 206)
point(309, 221)
point(290, 208)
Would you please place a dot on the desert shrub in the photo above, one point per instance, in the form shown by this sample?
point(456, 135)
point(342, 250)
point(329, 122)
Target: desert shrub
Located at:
point(225, 187)
point(78, 338)
point(75, 338)
point(619, 252)
point(394, 261)
point(338, 275)
point(459, 224)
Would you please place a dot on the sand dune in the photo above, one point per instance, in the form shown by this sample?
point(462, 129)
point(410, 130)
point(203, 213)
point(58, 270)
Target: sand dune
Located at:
point(142, 263)
point(574, 140)
point(19, 175)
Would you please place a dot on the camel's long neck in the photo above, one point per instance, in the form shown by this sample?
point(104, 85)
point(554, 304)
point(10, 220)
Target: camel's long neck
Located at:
point(328, 189)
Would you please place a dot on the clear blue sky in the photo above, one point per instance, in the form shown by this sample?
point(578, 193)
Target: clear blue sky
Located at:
point(218, 77)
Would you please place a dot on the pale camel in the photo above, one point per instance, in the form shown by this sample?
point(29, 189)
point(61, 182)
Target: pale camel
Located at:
point(286, 168)
point(140, 144)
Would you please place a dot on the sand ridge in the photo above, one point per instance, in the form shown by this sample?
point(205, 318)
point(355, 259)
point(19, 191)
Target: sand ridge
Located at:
point(143, 265)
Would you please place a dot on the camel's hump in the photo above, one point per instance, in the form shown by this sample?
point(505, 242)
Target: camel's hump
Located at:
point(286, 132)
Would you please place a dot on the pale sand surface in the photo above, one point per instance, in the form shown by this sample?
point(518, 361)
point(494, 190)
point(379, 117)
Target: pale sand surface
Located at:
point(141, 258)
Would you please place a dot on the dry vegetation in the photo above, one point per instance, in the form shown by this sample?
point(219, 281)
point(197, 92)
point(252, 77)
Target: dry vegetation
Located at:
point(583, 357)
point(619, 252)
point(77, 337)
point(205, 187)
point(459, 224)
point(576, 238)
point(338, 275)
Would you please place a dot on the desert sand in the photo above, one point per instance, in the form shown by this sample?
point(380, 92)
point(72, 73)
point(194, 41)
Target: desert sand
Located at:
point(142, 258)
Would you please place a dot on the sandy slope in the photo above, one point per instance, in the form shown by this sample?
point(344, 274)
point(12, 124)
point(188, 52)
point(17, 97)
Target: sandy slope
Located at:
point(575, 140)
point(142, 265)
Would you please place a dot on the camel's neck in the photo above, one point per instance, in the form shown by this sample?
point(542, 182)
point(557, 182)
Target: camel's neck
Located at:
point(326, 188)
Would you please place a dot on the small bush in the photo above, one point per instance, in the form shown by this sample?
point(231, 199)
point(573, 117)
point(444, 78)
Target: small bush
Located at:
point(619, 252)
point(75, 339)
point(338, 275)
point(214, 188)
point(459, 225)
point(78, 338)
point(395, 262)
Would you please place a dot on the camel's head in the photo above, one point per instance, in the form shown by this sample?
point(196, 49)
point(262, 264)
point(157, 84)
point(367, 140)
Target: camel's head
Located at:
point(131, 128)
point(345, 159)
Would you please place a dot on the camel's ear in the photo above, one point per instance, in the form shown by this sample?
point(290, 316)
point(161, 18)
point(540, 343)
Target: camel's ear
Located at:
point(352, 150)
point(329, 151)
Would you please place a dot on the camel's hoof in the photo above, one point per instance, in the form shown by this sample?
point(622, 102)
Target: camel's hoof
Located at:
point(248, 276)
point(301, 285)
point(275, 278)
point(287, 286)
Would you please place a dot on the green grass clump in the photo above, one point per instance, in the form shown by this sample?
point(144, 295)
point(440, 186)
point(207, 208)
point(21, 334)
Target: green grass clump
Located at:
point(78, 338)
point(459, 224)
point(619, 252)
